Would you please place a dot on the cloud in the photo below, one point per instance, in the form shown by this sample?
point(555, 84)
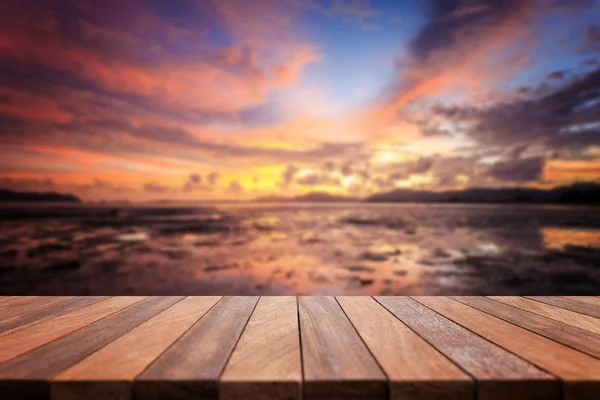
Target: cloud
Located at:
point(213, 178)
point(154, 187)
point(349, 10)
point(235, 187)
point(523, 170)
point(317, 179)
point(592, 40)
point(287, 177)
point(566, 117)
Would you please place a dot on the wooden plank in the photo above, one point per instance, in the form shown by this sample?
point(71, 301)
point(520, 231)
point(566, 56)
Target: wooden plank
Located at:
point(191, 367)
point(568, 304)
point(8, 301)
point(49, 311)
point(580, 339)
point(336, 362)
point(545, 310)
point(27, 339)
point(500, 374)
point(580, 372)
point(19, 314)
point(416, 370)
point(592, 300)
point(129, 355)
point(25, 377)
point(266, 362)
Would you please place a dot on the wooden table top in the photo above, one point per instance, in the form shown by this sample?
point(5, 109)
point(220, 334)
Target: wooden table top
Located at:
point(113, 348)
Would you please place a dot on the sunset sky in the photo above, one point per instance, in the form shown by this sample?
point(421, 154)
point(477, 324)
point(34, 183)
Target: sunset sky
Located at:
point(222, 99)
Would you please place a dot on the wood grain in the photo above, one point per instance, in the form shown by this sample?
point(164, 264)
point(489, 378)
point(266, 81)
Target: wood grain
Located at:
point(499, 374)
point(17, 374)
point(568, 304)
point(8, 301)
point(29, 338)
point(416, 370)
point(11, 317)
point(266, 361)
point(556, 313)
point(337, 364)
point(46, 312)
point(592, 300)
point(129, 355)
point(191, 367)
point(577, 338)
point(580, 372)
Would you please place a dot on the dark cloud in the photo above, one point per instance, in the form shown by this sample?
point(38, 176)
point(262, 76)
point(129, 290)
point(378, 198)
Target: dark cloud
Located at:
point(592, 40)
point(449, 20)
point(318, 179)
point(569, 116)
point(194, 182)
point(213, 178)
point(235, 187)
point(524, 170)
point(153, 187)
point(288, 175)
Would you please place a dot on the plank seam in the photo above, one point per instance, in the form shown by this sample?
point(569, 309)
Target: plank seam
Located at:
point(180, 336)
point(125, 333)
point(387, 378)
point(488, 340)
point(562, 308)
point(303, 394)
point(76, 330)
point(237, 341)
point(537, 333)
point(475, 384)
point(518, 326)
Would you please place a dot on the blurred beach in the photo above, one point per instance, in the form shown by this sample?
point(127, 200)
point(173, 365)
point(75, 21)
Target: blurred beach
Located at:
point(299, 249)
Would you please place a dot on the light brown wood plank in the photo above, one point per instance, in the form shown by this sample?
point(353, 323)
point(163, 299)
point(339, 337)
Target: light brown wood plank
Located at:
point(129, 355)
point(580, 372)
point(500, 374)
point(27, 374)
point(592, 300)
point(580, 339)
point(266, 361)
point(336, 362)
point(416, 370)
point(8, 301)
point(568, 304)
point(191, 367)
point(556, 313)
point(29, 338)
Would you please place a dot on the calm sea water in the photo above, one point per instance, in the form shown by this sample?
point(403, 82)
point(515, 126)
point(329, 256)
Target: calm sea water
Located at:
point(317, 249)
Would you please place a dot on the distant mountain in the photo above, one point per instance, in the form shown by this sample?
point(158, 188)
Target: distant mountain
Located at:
point(7, 195)
point(316, 197)
point(579, 193)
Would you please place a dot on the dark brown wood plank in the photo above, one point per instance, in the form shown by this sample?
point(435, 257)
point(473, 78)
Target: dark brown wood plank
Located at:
point(30, 372)
point(500, 375)
point(191, 367)
point(266, 361)
point(23, 340)
point(579, 372)
point(336, 362)
point(8, 301)
point(45, 313)
point(556, 313)
point(568, 304)
point(129, 355)
point(10, 317)
point(592, 300)
point(580, 339)
point(415, 369)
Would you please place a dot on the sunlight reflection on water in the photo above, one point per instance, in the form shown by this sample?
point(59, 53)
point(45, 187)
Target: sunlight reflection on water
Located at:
point(362, 249)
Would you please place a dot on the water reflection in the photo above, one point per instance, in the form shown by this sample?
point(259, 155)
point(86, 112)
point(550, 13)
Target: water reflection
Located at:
point(300, 249)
